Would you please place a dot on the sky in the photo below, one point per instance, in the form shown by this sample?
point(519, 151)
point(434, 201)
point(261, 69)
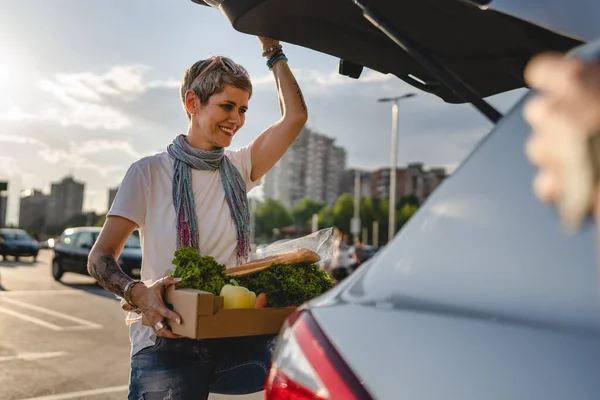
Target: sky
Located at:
point(88, 87)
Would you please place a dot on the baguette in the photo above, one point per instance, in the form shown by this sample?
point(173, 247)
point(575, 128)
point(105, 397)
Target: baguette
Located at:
point(294, 257)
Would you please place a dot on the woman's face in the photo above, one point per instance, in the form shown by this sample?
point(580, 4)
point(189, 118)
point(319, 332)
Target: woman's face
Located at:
point(217, 121)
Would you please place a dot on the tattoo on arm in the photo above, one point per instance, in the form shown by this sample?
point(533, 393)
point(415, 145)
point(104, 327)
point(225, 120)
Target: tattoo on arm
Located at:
point(300, 94)
point(108, 273)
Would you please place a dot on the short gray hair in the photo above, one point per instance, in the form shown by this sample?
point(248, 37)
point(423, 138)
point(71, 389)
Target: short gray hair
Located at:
point(213, 81)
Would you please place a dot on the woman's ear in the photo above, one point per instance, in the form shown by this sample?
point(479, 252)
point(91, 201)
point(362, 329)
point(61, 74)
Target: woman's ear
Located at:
point(192, 103)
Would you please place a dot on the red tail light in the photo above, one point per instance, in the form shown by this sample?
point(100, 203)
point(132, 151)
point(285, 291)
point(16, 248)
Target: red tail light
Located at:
point(307, 367)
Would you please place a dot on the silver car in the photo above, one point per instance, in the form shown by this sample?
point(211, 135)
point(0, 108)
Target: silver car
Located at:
point(480, 296)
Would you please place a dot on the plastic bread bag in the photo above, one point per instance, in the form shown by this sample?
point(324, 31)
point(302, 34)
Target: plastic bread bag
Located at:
point(320, 242)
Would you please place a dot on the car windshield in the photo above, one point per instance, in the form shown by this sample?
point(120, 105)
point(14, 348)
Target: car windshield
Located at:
point(133, 242)
point(15, 236)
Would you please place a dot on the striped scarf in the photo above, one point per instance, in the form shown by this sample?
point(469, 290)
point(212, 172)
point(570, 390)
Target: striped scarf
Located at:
point(186, 157)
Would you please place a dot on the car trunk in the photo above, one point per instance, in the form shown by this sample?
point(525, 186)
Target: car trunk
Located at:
point(402, 354)
point(485, 49)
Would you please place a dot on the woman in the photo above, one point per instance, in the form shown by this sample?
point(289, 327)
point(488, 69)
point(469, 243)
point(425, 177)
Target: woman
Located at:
point(195, 194)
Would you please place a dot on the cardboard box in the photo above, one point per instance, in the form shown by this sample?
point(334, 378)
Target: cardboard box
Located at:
point(203, 316)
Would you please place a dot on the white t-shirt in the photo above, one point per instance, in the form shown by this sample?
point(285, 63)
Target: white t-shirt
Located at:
point(145, 197)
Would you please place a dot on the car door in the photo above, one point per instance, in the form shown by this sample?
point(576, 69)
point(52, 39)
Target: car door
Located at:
point(82, 246)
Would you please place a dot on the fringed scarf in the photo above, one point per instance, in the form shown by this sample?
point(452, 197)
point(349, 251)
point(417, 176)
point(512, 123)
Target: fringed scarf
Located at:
point(186, 157)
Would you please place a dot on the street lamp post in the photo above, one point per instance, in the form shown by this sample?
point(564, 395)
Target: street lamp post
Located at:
point(394, 160)
point(3, 203)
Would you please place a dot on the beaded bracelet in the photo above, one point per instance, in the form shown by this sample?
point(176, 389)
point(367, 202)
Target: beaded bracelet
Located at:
point(272, 48)
point(278, 53)
point(275, 58)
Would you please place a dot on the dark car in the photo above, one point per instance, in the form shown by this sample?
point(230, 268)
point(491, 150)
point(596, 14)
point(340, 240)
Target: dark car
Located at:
point(73, 247)
point(480, 295)
point(18, 243)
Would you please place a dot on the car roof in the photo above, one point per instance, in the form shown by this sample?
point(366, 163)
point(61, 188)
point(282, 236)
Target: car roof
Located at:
point(12, 230)
point(486, 49)
point(94, 229)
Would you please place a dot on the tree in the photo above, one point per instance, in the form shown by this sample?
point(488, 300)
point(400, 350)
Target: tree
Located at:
point(343, 211)
point(270, 215)
point(367, 214)
point(325, 217)
point(382, 212)
point(305, 209)
point(101, 221)
point(404, 214)
point(405, 208)
point(408, 199)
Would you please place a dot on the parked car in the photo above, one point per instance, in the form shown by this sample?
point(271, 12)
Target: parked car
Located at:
point(18, 243)
point(480, 295)
point(73, 247)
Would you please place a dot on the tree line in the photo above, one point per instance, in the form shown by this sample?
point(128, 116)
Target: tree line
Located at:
point(272, 215)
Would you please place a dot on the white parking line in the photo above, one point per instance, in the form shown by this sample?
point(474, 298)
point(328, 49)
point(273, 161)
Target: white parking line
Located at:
point(88, 324)
point(30, 319)
point(116, 389)
point(32, 356)
point(82, 394)
point(8, 293)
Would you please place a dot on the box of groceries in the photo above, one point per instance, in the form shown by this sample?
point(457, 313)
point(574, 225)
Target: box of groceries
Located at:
point(251, 299)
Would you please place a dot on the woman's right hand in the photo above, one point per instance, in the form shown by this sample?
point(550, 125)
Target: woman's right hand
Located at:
point(150, 301)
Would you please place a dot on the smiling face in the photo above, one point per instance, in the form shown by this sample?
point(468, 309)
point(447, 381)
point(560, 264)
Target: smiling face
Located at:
point(214, 123)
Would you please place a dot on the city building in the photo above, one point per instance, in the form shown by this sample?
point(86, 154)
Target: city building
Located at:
point(66, 201)
point(112, 193)
point(380, 183)
point(312, 167)
point(412, 180)
point(336, 168)
point(285, 181)
point(349, 179)
point(432, 179)
point(33, 210)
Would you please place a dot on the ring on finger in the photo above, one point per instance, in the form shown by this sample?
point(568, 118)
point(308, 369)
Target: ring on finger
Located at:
point(158, 326)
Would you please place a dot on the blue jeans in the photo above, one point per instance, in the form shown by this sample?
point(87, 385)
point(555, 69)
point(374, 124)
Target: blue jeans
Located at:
point(189, 369)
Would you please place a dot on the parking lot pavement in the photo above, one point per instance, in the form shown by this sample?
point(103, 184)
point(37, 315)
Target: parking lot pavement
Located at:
point(59, 338)
point(62, 340)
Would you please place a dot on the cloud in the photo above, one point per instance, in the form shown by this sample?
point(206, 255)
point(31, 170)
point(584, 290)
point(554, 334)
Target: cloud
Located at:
point(14, 113)
point(96, 146)
point(91, 100)
point(90, 87)
point(77, 161)
point(74, 155)
point(18, 139)
point(9, 167)
point(172, 83)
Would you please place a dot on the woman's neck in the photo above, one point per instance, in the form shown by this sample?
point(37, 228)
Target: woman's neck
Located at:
point(195, 139)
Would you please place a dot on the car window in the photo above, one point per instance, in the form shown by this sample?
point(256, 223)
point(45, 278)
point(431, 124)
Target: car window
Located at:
point(133, 242)
point(68, 239)
point(85, 240)
point(15, 236)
